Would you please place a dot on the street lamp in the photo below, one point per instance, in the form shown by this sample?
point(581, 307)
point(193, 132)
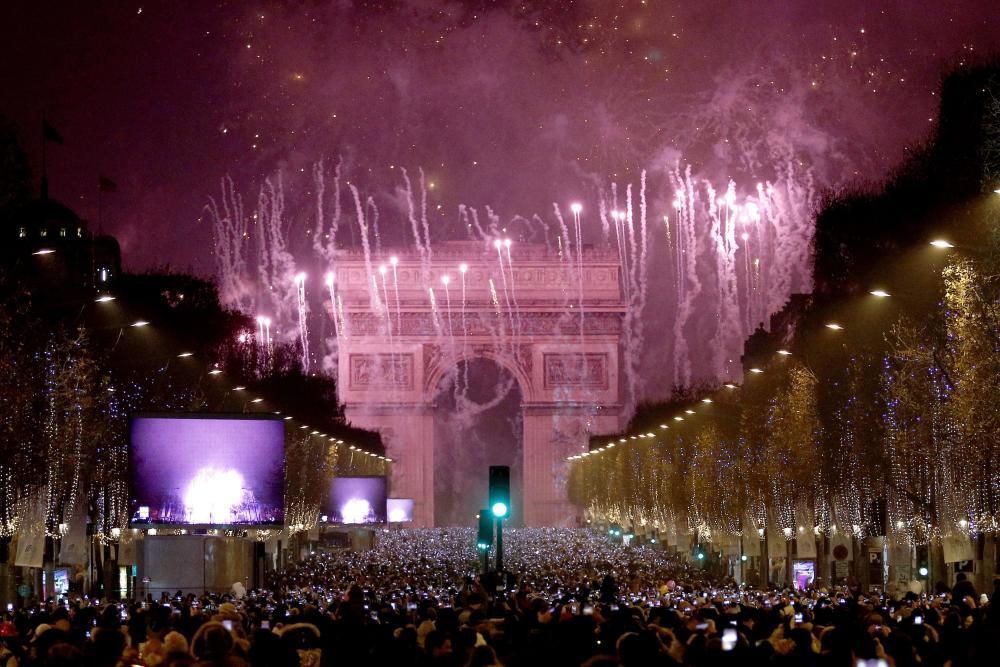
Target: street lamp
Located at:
point(941, 243)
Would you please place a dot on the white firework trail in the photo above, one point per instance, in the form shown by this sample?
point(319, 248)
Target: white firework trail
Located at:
point(513, 290)
point(276, 266)
point(324, 237)
point(332, 289)
point(300, 283)
point(435, 313)
point(359, 210)
point(688, 282)
point(229, 227)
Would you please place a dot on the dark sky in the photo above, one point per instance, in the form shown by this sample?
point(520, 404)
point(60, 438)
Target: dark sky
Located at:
point(513, 104)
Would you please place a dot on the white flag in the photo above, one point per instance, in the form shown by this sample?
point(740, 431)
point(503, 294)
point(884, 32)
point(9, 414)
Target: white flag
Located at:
point(74, 545)
point(30, 549)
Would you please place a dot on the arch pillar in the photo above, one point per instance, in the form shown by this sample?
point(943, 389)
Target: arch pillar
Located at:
point(408, 435)
point(552, 432)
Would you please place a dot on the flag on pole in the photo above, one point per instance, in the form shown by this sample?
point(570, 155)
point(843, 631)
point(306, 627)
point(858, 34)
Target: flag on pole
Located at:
point(50, 133)
point(74, 544)
point(105, 184)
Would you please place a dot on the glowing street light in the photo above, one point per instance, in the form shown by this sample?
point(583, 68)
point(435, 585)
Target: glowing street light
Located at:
point(880, 293)
point(257, 400)
point(43, 251)
point(729, 385)
point(706, 400)
point(239, 388)
point(382, 269)
point(104, 298)
point(329, 279)
point(756, 370)
point(300, 278)
point(941, 243)
point(185, 355)
point(139, 323)
point(784, 353)
point(576, 207)
point(215, 371)
point(394, 260)
point(462, 268)
point(834, 326)
point(445, 280)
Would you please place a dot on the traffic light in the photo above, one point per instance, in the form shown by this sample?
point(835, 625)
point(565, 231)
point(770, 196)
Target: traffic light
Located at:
point(923, 564)
point(485, 538)
point(500, 491)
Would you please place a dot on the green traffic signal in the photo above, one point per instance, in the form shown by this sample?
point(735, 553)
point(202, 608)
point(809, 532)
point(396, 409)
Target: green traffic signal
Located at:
point(500, 491)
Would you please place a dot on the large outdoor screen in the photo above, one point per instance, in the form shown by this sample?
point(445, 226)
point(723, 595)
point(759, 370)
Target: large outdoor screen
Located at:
point(207, 470)
point(399, 510)
point(357, 500)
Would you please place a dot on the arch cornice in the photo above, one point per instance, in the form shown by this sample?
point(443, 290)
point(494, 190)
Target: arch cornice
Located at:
point(518, 363)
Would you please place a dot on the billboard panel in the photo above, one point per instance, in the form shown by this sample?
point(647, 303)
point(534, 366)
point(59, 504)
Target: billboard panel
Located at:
point(399, 510)
point(357, 500)
point(207, 470)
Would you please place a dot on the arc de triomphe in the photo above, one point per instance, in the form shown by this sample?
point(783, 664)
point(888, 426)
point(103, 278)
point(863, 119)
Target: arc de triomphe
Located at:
point(407, 319)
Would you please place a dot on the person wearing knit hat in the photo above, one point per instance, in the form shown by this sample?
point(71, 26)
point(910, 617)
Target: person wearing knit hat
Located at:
point(175, 642)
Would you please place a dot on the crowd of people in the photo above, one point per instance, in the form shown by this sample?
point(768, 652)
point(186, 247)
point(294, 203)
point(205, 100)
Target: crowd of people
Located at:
point(572, 597)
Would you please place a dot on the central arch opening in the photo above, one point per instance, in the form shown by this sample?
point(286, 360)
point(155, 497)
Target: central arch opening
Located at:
point(478, 422)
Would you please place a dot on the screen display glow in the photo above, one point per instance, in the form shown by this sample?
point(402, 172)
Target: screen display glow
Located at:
point(207, 470)
point(357, 500)
point(399, 510)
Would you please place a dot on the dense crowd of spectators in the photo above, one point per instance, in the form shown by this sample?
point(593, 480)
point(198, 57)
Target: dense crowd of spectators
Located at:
point(573, 598)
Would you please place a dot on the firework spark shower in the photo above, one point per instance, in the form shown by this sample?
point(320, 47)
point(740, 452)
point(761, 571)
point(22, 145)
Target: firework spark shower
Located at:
point(503, 107)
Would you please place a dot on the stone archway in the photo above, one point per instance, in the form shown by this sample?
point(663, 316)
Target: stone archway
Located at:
point(555, 325)
point(478, 422)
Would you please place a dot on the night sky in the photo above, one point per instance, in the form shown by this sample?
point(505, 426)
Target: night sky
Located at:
point(513, 104)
